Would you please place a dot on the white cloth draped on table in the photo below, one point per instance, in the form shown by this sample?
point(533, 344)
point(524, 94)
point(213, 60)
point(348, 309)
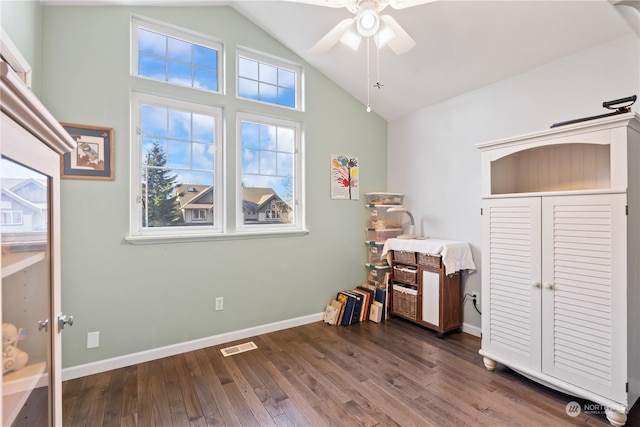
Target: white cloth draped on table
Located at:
point(456, 255)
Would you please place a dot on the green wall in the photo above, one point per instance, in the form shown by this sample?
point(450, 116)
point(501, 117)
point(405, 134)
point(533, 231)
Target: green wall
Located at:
point(141, 297)
point(22, 21)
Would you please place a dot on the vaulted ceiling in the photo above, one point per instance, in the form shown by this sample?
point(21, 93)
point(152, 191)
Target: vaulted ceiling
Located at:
point(461, 45)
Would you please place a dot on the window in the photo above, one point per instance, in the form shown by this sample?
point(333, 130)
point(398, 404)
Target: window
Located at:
point(177, 167)
point(270, 174)
point(165, 54)
point(268, 80)
point(11, 217)
point(199, 215)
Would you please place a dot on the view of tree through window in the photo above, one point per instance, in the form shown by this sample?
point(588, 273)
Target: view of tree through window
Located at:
point(178, 158)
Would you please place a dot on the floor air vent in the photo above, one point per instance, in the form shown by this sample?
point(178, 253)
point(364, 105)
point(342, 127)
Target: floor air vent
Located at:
point(240, 348)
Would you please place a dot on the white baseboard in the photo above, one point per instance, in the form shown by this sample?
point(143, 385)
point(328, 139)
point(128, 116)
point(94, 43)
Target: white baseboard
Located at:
point(472, 330)
point(171, 350)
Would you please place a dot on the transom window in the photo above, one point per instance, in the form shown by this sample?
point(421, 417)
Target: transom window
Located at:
point(168, 55)
point(179, 167)
point(270, 177)
point(268, 80)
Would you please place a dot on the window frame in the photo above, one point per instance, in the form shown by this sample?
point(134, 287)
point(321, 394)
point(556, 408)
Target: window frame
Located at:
point(137, 231)
point(181, 34)
point(273, 61)
point(298, 223)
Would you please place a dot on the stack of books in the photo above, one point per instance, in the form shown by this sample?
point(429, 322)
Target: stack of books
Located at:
point(365, 302)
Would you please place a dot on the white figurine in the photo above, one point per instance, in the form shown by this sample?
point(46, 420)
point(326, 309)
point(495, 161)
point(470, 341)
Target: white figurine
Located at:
point(12, 357)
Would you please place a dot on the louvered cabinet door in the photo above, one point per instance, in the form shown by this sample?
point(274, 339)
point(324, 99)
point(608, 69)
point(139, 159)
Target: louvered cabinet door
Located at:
point(584, 292)
point(511, 280)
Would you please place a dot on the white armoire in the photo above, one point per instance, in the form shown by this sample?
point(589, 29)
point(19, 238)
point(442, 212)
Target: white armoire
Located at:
point(561, 259)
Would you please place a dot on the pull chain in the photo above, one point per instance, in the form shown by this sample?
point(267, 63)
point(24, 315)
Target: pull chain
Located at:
point(368, 78)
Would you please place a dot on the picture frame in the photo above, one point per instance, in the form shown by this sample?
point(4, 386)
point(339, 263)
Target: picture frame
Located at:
point(345, 177)
point(92, 158)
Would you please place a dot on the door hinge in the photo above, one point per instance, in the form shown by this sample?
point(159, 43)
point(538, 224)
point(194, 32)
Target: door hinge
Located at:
point(481, 211)
point(626, 387)
point(626, 210)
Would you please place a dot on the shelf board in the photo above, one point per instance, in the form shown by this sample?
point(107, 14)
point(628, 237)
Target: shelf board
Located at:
point(16, 388)
point(12, 262)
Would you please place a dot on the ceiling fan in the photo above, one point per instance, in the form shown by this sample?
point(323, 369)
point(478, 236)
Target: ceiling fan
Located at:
point(367, 23)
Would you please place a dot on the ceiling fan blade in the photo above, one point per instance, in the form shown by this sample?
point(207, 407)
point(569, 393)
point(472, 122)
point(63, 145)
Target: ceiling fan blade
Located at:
point(402, 42)
point(332, 37)
point(403, 4)
point(328, 3)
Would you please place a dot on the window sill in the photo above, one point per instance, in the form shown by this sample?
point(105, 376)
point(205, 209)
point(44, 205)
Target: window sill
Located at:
point(151, 240)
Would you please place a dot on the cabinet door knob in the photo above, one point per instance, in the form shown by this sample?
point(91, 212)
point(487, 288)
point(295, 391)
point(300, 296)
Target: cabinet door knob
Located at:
point(535, 284)
point(64, 319)
point(43, 324)
point(548, 285)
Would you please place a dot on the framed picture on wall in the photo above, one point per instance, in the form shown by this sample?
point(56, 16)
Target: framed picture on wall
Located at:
point(345, 178)
point(92, 156)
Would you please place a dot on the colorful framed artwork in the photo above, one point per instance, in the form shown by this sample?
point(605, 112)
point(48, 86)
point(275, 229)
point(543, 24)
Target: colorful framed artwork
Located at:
point(92, 157)
point(345, 178)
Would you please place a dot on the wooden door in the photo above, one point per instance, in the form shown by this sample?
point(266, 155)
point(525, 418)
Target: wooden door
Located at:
point(511, 280)
point(584, 292)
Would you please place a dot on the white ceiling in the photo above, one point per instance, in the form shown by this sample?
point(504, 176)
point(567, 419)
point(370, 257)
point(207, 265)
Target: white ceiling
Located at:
point(461, 45)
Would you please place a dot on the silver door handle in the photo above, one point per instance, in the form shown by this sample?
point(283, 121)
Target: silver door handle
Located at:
point(43, 324)
point(64, 319)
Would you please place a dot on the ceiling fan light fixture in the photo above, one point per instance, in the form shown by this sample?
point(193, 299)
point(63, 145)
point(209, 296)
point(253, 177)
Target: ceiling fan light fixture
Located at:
point(384, 35)
point(351, 37)
point(367, 22)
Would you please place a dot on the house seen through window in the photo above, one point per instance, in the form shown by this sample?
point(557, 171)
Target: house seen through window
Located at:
point(270, 172)
point(179, 169)
point(177, 177)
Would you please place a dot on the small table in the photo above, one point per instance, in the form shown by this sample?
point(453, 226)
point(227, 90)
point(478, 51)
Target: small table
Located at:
point(425, 284)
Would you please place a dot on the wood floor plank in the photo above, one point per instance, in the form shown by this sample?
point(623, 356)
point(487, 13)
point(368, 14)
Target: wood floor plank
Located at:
point(390, 374)
point(188, 368)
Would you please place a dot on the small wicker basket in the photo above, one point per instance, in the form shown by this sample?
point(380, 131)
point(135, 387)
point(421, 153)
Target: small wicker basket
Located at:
point(405, 302)
point(429, 260)
point(404, 257)
point(405, 274)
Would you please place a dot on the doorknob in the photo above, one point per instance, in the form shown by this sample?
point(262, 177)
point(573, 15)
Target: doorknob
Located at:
point(64, 319)
point(43, 324)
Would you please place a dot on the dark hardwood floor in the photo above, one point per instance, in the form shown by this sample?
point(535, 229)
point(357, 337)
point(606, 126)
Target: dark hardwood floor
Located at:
point(393, 373)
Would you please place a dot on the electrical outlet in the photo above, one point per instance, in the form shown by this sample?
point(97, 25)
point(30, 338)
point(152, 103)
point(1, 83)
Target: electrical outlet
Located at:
point(93, 339)
point(219, 303)
point(475, 296)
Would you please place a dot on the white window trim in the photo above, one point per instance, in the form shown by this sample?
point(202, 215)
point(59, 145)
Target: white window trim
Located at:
point(178, 33)
point(160, 234)
point(298, 225)
point(276, 62)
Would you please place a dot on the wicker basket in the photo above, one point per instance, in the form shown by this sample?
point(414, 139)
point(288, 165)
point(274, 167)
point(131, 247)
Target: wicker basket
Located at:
point(405, 302)
point(404, 257)
point(405, 274)
point(429, 260)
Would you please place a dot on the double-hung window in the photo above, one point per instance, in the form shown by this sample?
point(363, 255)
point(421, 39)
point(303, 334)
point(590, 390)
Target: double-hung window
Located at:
point(173, 56)
point(270, 182)
point(177, 180)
